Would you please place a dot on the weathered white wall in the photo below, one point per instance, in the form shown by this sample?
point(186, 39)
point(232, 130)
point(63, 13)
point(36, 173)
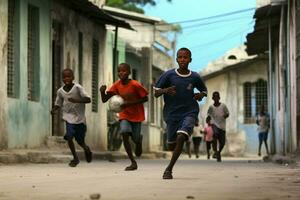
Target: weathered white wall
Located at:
point(241, 138)
point(72, 24)
point(3, 77)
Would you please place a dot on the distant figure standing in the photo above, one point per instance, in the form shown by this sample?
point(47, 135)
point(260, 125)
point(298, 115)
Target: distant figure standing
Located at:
point(71, 98)
point(197, 137)
point(132, 113)
point(181, 108)
point(218, 112)
point(263, 122)
point(208, 135)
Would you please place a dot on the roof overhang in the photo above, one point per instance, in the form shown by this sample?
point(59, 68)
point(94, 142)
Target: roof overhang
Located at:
point(95, 13)
point(233, 67)
point(266, 17)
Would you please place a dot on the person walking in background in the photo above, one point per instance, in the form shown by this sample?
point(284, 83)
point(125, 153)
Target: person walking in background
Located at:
point(208, 135)
point(71, 98)
point(132, 113)
point(197, 137)
point(218, 112)
point(263, 122)
point(181, 108)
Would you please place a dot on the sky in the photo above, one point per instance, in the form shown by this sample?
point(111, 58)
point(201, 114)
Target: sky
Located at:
point(209, 27)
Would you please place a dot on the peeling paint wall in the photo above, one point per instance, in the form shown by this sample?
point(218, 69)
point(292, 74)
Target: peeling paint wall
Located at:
point(73, 23)
point(3, 67)
point(28, 122)
point(241, 138)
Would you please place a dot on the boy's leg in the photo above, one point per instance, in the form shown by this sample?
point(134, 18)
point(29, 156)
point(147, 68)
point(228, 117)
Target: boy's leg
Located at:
point(266, 142)
point(137, 138)
point(128, 150)
point(70, 132)
point(208, 146)
point(188, 148)
point(181, 138)
point(80, 137)
point(260, 140)
point(182, 130)
point(126, 131)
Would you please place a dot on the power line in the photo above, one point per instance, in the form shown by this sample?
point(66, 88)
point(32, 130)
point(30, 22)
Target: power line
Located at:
point(199, 19)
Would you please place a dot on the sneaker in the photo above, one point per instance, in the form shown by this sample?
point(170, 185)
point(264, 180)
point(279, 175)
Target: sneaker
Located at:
point(139, 147)
point(88, 155)
point(73, 163)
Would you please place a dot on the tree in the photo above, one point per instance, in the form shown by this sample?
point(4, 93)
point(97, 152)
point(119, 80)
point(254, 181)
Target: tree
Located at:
point(131, 5)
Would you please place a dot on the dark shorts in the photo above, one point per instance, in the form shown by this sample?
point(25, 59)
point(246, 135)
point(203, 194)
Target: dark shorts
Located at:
point(263, 136)
point(184, 126)
point(76, 131)
point(133, 128)
point(197, 140)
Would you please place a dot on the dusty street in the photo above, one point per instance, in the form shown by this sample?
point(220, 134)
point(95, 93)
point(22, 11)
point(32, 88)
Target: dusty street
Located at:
point(233, 179)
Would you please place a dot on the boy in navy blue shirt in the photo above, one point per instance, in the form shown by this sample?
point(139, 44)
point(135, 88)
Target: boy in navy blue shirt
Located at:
point(181, 108)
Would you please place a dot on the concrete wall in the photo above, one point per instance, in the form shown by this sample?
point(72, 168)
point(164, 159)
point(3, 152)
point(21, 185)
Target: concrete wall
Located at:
point(3, 77)
point(241, 138)
point(72, 24)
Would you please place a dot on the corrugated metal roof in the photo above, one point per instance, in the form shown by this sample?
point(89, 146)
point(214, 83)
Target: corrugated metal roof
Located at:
point(92, 11)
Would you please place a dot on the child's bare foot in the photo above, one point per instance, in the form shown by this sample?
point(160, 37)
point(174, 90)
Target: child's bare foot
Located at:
point(131, 167)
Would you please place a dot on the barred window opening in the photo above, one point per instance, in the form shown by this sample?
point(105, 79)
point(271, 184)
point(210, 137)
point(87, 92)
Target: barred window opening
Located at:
point(12, 71)
point(33, 54)
point(95, 63)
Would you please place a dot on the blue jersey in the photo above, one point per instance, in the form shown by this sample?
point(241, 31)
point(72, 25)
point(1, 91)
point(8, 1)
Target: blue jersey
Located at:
point(182, 103)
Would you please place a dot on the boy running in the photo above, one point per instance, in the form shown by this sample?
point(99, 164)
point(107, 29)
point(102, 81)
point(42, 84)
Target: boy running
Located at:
point(132, 114)
point(181, 108)
point(71, 98)
point(218, 112)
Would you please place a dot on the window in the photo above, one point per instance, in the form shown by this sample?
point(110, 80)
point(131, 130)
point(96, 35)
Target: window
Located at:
point(80, 61)
point(255, 95)
point(95, 62)
point(12, 71)
point(33, 54)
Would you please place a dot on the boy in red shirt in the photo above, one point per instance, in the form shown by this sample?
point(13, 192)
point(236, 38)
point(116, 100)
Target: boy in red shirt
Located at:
point(132, 113)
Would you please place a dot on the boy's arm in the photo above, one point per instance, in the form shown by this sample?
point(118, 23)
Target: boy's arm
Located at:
point(54, 109)
point(169, 90)
point(138, 101)
point(82, 100)
point(105, 96)
point(226, 111)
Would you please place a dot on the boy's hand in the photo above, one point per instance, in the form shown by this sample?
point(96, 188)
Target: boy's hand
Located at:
point(103, 88)
point(199, 96)
point(72, 100)
point(54, 109)
point(170, 90)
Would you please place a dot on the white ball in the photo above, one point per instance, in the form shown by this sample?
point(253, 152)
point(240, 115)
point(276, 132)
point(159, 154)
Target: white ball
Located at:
point(115, 103)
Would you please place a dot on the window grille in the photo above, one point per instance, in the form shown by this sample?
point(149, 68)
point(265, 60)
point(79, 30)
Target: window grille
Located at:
point(261, 95)
point(11, 65)
point(95, 62)
point(247, 102)
point(80, 61)
point(33, 53)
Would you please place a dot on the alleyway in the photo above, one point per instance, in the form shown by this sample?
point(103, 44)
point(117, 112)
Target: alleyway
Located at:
point(233, 179)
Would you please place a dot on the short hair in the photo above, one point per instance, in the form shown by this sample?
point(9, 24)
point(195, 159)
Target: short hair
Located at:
point(125, 65)
point(185, 49)
point(208, 118)
point(69, 70)
point(216, 93)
